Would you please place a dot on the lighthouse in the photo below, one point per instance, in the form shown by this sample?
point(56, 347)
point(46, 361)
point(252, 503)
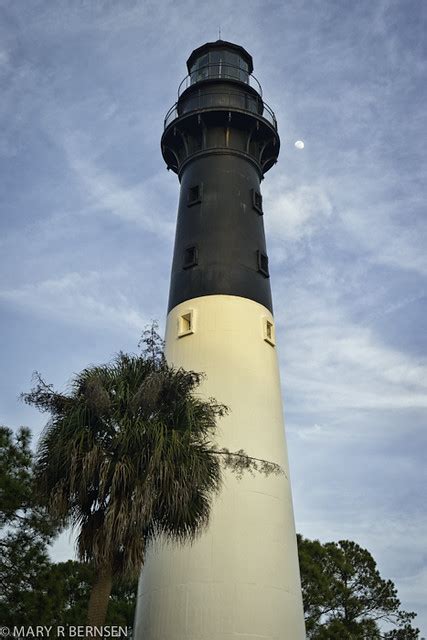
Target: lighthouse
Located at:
point(239, 579)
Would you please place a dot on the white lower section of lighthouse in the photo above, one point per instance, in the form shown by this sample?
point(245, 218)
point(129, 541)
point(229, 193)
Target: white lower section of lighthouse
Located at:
point(240, 579)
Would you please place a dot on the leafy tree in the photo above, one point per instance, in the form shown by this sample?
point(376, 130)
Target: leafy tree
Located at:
point(15, 474)
point(73, 582)
point(26, 531)
point(19, 506)
point(128, 455)
point(345, 597)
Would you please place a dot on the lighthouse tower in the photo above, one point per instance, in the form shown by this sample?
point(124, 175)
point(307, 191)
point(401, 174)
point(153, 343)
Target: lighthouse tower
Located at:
point(240, 579)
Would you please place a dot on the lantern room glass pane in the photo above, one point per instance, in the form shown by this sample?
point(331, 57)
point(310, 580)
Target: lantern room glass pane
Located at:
point(220, 64)
point(215, 64)
point(199, 70)
point(231, 67)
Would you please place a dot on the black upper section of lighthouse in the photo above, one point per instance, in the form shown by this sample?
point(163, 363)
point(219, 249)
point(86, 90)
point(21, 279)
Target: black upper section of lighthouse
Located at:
point(220, 138)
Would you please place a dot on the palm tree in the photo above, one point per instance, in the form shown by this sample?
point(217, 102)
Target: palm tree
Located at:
point(128, 455)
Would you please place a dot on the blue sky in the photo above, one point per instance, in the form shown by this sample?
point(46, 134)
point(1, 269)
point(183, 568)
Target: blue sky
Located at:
point(88, 215)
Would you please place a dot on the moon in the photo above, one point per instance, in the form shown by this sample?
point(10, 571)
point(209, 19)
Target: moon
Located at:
point(299, 144)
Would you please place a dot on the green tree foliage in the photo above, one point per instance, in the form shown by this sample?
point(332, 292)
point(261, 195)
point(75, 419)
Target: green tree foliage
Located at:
point(345, 597)
point(19, 506)
point(73, 582)
point(15, 474)
point(26, 531)
point(128, 455)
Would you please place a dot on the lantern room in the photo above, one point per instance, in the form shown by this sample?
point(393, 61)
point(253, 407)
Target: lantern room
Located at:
point(220, 60)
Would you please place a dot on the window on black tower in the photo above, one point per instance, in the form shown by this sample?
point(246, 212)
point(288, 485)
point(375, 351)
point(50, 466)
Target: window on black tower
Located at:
point(190, 257)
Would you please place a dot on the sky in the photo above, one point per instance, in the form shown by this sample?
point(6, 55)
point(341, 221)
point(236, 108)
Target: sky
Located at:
point(88, 211)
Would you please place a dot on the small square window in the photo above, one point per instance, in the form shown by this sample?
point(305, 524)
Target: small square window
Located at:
point(186, 323)
point(257, 201)
point(268, 332)
point(191, 255)
point(263, 264)
point(194, 195)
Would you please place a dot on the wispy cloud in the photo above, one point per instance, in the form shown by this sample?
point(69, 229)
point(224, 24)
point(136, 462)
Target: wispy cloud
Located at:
point(83, 299)
point(295, 212)
point(331, 361)
point(140, 204)
point(396, 239)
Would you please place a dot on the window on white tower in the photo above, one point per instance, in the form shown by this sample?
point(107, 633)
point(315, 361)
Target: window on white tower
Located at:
point(268, 332)
point(186, 323)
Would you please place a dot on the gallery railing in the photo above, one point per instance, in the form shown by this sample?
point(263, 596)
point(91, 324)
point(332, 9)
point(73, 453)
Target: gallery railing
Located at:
point(219, 100)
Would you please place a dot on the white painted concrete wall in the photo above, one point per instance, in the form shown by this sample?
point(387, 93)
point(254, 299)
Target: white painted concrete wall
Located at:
point(240, 580)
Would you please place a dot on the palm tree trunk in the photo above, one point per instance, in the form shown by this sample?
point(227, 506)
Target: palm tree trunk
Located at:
point(99, 597)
